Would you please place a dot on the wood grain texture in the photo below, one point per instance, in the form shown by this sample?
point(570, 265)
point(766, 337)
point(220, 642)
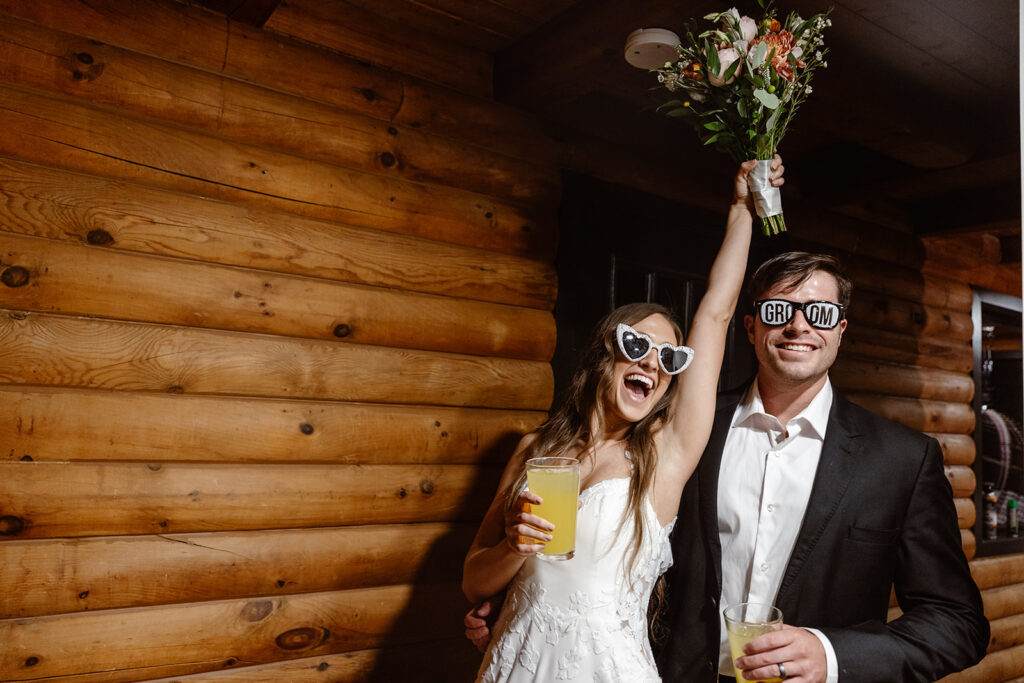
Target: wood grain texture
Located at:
point(369, 37)
point(114, 499)
point(961, 479)
point(77, 574)
point(992, 572)
point(1003, 665)
point(63, 425)
point(435, 662)
point(85, 280)
point(49, 202)
point(56, 132)
point(908, 348)
point(124, 81)
point(72, 352)
point(177, 639)
point(191, 36)
point(957, 449)
point(921, 414)
point(858, 374)
point(906, 317)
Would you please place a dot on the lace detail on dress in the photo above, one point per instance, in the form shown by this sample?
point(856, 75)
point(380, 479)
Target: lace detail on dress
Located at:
point(584, 619)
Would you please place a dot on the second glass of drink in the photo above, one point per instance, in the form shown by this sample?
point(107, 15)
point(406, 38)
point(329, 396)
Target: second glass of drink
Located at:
point(746, 621)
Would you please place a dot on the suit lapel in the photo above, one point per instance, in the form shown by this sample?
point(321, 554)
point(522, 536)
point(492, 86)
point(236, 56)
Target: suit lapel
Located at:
point(709, 469)
point(837, 466)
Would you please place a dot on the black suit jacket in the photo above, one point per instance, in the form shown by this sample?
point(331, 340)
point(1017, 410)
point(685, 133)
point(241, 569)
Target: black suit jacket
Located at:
point(881, 514)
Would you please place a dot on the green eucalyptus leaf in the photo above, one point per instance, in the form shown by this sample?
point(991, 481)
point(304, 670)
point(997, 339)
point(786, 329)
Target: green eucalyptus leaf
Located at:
point(714, 125)
point(766, 98)
point(757, 58)
point(714, 66)
point(713, 138)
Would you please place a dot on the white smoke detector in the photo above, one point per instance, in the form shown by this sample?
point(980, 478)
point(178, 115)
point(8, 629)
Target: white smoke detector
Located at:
point(649, 48)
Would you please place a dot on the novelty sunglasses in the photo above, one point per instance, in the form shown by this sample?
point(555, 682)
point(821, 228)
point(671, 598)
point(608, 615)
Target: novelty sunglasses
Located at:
point(822, 315)
point(636, 345)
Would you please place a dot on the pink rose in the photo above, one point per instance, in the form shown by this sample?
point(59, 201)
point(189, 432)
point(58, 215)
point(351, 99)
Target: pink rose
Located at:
point(726, 56)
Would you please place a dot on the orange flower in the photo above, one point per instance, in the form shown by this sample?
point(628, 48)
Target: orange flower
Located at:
point(783, 43)
point(775, 25)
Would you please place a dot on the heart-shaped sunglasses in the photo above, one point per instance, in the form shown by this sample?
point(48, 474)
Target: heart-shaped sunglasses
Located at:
point(636, 345)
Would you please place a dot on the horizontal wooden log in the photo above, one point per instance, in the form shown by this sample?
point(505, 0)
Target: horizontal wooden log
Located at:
point(957, 449)
point(72, 575)
point(858, 374)
point(880, 311)
point(64, 278)
point(354, 31)
point(968, 543)
point(56, 351)
point(48, 202)
point(1006, 632)
point(998, 666)
point(57, 132)
point(961, 479)
point(908, 348)
point(125, 81)
point(62, 425)
point(817, 228)
point(115, 499)
point(214, 635)
point(434, 662)
point(921, 414)
point(188, 35)
point(1003, 601)
point(993, 572)
point(902, 282)
point(965, 512)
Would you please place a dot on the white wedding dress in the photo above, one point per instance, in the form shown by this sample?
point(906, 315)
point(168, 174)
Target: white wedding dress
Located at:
point(582, 619)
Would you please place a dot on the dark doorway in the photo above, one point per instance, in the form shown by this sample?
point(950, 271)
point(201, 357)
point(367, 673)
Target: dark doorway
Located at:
point(618, 245)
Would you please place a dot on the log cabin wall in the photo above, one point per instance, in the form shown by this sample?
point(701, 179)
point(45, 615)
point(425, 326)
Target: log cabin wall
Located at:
point(274, 315)
point(273, 318)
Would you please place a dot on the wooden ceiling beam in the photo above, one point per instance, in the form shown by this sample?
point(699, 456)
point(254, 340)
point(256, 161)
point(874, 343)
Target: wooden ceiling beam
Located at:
point(250, 12)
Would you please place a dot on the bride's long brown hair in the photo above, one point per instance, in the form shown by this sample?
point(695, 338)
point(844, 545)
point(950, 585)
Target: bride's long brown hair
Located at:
point(579, 419)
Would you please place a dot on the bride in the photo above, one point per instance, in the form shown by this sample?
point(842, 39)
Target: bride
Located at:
point(637, 424)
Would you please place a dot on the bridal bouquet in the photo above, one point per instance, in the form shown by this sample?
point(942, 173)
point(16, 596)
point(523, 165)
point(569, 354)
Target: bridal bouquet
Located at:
point(740, 84)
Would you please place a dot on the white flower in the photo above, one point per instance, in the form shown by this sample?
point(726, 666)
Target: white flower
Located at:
point(748, 27)
point(808, 90)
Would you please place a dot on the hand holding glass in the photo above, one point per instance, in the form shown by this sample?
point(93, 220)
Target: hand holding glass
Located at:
point(557, 482)
point(746, 621)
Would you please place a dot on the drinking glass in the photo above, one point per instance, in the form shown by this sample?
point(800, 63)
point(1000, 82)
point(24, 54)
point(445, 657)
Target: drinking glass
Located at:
point(746, 621)
point(557, 481)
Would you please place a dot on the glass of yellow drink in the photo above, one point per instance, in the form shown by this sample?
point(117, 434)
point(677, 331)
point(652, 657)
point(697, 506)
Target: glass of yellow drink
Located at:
point(746, 621)
point(557, 482)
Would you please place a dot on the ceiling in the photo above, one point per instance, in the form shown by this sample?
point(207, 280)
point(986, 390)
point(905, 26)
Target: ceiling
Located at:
point(915, 122)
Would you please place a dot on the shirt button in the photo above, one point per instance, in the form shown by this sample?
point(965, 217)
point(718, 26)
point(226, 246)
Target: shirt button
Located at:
point(771, 507)
point(764, 566)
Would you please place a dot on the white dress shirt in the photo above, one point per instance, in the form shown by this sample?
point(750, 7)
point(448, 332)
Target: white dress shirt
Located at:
point(765, 481)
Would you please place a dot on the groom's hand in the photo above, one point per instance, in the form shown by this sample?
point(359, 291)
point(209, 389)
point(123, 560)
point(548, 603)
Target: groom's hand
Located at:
point(478, 621)
point(798, 650)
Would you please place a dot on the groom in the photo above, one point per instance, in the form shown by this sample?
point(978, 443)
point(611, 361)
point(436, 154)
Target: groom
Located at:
point(804, 500)
point(807, 501)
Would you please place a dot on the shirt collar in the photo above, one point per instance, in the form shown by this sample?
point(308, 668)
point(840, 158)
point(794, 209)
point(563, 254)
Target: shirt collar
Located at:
point(814, 415)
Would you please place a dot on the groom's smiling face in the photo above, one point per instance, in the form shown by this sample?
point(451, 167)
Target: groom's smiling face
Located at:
point(796, 353)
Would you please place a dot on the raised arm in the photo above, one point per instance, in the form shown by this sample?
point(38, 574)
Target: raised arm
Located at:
point(689, 426)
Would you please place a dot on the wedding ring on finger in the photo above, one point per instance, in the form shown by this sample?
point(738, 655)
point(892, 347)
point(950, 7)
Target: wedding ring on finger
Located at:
point(782, 671)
